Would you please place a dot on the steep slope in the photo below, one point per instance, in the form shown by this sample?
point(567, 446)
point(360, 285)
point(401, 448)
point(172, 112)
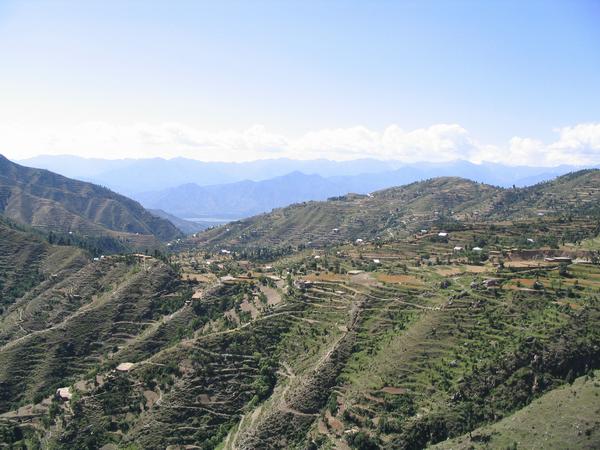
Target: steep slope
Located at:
point(94, 310)
point(63, 312)
point(51, 202)
point(573, 424)
point(27, 260)
point(574, 194)
point(393, 344)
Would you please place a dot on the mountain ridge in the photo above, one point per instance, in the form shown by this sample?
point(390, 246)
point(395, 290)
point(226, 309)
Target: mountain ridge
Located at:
point(52, 202)
point(130, 176)
point(402, 210)
point(400, 340)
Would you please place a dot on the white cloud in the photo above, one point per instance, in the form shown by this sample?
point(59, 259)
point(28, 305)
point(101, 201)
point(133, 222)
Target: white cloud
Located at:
point(578, 144)
point(442, 142)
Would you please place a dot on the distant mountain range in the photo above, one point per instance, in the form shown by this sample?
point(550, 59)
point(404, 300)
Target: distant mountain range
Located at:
point(129, 176)
point(242, 199)
point(217, 192)
point(54, 203)
point(247, 198)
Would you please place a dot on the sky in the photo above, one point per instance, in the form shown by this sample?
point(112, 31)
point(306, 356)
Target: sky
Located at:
point(504, 81)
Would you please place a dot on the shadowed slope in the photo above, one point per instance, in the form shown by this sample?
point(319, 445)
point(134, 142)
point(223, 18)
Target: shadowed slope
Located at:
point(52, 202)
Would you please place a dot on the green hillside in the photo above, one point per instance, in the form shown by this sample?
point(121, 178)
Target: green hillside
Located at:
point(566, 417)
point(574, 194)
point(51, 202)
point(399, 212)
point(404, 342)
point(26, 260)
point(389, 213)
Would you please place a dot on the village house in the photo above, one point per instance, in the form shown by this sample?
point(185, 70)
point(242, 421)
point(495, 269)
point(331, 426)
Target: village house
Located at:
point(227, 278)
point(64, 393)
point(141, 256)
point(124, 367)
point(492, 282)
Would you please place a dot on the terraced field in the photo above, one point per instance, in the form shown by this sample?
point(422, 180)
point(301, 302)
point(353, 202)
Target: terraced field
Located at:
point(395, 213)
point(420, 339)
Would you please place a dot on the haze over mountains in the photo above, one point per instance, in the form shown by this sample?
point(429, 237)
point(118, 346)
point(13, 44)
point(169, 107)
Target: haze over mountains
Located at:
point(131, 176)
point(207, 190)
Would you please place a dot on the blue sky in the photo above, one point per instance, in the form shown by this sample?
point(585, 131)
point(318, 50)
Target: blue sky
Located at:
point(254, 79)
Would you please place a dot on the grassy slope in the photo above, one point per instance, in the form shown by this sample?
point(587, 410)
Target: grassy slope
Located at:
point(27, 260)
point(566, 417)
point(397, 212)
point(392, 212)
point(377, 355)
point(400, 356)
point(574, 194)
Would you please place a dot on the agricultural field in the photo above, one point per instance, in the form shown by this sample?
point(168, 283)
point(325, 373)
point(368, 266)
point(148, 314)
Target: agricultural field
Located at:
point(456, 335)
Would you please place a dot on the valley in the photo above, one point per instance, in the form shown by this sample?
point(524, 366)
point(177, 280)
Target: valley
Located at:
point(394, 334)
point(299, 225)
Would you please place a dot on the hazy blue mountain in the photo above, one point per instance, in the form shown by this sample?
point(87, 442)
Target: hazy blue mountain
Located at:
point(217, 191)
point(74, 166)
point(489, 173)
point(130, 176)
point(241, 199)
point(246, 198)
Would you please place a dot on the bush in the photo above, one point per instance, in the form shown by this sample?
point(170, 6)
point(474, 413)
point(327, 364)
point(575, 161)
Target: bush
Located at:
point(362, 441)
